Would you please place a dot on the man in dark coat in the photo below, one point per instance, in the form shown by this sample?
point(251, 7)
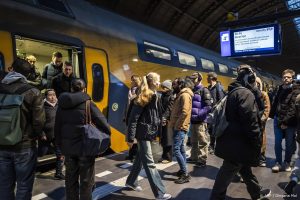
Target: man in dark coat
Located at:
point(167, 100)
point(217, 93)
point(18, 162)
point(70, 118)
point(52, 69)
point(240, 144)
point(62, 82)
point(284, 113)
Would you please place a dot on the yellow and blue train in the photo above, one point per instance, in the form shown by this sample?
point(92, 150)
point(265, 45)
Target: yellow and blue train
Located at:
point(105, 49)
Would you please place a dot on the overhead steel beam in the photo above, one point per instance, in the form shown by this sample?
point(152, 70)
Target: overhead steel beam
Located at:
point(265, 18)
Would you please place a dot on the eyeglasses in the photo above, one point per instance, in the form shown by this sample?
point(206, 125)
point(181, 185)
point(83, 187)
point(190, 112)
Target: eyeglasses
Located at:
point(287, 77)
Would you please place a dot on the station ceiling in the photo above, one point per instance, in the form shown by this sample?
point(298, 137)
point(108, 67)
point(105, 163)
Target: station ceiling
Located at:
point(200, 22)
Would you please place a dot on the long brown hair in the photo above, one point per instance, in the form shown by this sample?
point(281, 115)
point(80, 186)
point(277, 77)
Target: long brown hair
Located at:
point(147, 89)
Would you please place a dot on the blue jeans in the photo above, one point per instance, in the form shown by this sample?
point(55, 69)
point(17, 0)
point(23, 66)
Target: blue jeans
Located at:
point(179, 150)
point(17, 167)
point(144, 158)
point(290, 142)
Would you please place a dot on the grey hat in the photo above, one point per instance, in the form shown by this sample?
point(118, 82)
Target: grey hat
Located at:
point(167, 84)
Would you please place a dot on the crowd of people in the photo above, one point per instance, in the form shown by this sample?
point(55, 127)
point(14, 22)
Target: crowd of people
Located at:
point(171, 111)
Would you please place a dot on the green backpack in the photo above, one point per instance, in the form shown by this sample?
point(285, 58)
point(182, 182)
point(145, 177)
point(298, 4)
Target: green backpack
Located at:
point(10, 116)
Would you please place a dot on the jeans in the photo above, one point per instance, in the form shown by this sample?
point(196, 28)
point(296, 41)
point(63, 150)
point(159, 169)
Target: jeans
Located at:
point(225, 175)
point(290, 142)
point(144, 158)
point(179, 149)
point(79, 168)
point(17, 167)
point(43, 149)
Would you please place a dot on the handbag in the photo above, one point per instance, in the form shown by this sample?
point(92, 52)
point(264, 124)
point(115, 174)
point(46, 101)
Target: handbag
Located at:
point(95, 141)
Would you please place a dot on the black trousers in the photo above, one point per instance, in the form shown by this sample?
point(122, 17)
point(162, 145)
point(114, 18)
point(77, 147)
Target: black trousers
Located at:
point(167, 153)
point(79, 169)
point(225, 175)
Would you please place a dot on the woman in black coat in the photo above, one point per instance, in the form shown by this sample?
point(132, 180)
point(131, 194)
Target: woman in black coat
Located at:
point(70, 118)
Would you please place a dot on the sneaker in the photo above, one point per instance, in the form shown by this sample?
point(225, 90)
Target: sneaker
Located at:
point(264, 194)
point(190, 160)
point(165, 161)
point(286, 167)
point(135, 188)
point(164, 196)
point(200, 164)
point(179, 173)
point(277, 167)
point(262, 163)
point(183, 179)
point(59, 176)
point(290, 187)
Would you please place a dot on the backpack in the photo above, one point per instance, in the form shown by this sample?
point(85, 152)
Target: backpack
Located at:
point(217, 117)
point(10, 116)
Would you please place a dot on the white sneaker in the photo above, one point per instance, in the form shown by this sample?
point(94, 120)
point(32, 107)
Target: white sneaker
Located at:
point(287, 167)
point(135, 188)
point(277, 167)
point(164, 196)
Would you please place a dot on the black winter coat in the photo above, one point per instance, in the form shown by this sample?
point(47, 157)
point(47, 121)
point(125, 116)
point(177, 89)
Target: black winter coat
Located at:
point(217, 92)
point(32, 114)
point(61, 84)
point(50, 112)
point(167, 100)
point(283, 105)
point(241, 141)
point(69, 121)
point(145, 122)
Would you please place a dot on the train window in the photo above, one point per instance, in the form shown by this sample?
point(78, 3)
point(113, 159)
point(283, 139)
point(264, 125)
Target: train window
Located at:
point(187, 59)
point(207, 64)
point(2, 64)
point(98, 82)
point(157, 51)
point(43, 50)
point(223, 68)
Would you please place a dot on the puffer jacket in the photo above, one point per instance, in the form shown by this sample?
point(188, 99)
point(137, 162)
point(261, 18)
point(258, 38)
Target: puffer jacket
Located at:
point(61, 83)
point(145, 122)
point(50, 71)
point(241, 141)
point(50, 111)
point(283, 106)
point(32, 110)
point(182, 109)
point(69, 121)
point(201, 104)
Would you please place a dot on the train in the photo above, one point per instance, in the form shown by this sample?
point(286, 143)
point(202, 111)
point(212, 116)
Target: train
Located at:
point(105, 49)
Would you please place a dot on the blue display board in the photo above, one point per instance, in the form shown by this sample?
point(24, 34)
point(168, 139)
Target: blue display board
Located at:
point(250, 41)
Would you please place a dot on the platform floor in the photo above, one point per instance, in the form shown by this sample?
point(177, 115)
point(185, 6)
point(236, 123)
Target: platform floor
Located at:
point(112, 171)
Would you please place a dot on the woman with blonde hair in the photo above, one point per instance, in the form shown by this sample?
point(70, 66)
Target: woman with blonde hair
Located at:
point(144, 124)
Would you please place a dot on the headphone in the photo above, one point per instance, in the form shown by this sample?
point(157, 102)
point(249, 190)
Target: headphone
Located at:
point(246, 70)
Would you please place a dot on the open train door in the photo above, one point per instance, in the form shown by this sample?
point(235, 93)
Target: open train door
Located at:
point(97, 76)
point(6, 51)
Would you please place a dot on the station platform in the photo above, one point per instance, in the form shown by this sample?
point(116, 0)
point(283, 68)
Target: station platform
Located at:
point(112, 171)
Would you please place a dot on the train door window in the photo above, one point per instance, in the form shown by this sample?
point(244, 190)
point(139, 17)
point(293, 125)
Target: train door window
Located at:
point(187, 59)
point(223, 68)
point(157, 51)
point(43, 51)
point(207, 64)
point(98, 82)
point(2, 64)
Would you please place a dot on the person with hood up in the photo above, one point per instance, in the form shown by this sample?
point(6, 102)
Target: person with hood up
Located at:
point(240, 144)
point(18, 162)
point(180, 123)
point(69, 122)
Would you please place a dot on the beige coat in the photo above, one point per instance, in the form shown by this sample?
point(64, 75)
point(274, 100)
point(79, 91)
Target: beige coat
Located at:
point(182, 109)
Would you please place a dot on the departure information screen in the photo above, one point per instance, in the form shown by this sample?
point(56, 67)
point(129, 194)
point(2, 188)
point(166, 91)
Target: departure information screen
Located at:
point(254, 40)
point(259, 40)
